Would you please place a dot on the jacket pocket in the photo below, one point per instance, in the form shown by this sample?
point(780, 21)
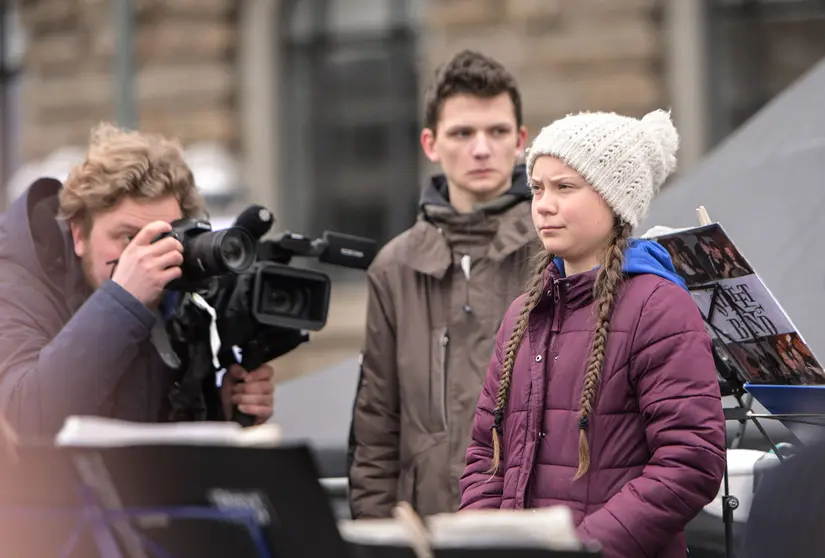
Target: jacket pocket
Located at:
point(439, 355)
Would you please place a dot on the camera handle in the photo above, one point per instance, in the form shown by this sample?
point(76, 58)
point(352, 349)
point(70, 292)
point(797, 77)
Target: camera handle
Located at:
point(252, 356)
point(264, 345)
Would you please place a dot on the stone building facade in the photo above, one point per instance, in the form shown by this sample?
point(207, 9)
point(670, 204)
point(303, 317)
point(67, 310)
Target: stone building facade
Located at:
point(567, 56)
point(220, 72)
point(185, 56)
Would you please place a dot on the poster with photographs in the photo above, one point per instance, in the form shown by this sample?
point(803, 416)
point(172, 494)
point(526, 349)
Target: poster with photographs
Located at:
point(740, 312)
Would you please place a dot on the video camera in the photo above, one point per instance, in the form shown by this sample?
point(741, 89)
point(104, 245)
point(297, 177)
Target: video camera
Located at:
point(264, 306)
point(289, 297)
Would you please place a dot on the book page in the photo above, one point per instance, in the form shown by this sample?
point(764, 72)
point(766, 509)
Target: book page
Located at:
point(91, 431)
point(389, 532)
point(552, 528)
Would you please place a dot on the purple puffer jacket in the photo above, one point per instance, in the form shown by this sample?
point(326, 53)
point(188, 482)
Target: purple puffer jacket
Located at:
point(656, 434)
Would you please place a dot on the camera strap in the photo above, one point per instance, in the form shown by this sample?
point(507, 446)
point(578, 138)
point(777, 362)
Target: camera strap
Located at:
point(214, 338)
point(163, 345)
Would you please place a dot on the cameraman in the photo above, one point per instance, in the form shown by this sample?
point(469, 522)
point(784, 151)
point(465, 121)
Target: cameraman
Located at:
point(82, 285)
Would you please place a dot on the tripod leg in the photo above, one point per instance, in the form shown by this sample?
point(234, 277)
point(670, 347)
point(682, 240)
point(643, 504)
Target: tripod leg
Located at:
point(729, 503)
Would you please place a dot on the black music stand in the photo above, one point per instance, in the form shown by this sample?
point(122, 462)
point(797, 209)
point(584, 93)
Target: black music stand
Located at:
point(177, 502)
point(734, 381)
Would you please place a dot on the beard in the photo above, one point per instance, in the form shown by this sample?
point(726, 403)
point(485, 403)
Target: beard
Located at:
point(87, 266)
point(91, 283)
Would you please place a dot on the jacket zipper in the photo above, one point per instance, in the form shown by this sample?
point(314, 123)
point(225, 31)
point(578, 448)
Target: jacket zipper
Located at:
point(528, 497)
point(466, 267)
point(445, 341)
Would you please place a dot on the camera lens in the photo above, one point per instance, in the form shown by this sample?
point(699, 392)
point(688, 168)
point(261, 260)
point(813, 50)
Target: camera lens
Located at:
point(234, 249)
point(291, 297)
point(235, 254)
point(285, 302)
point(218, 252)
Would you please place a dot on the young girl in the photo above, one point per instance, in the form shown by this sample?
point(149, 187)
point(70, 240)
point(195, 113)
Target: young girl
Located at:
point(602, 394)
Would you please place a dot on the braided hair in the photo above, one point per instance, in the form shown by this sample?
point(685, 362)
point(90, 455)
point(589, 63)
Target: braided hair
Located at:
point(533, 296)
point(608, 280)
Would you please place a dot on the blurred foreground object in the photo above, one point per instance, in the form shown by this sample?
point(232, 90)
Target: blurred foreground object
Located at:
point(787, 514)
point(115, 488)
point(506, 532)
point(8, 440)
point(92, 431)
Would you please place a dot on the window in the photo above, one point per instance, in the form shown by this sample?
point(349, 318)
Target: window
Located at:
point(757, 48)
point(350, 118)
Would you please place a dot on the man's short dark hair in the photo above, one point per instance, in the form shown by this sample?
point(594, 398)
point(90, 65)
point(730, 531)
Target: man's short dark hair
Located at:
point(470, 73)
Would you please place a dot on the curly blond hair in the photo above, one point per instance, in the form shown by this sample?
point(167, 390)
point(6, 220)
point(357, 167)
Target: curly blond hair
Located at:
point(121, 163)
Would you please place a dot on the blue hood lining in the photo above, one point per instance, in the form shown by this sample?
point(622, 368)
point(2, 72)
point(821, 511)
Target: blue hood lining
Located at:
point(644, 256)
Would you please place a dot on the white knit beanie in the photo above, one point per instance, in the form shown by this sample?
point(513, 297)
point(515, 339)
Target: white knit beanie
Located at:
point(625, 159)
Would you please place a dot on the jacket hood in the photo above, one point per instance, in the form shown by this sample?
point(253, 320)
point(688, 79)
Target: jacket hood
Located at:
point(32, 237)
point(645, 256)
point(436, 194)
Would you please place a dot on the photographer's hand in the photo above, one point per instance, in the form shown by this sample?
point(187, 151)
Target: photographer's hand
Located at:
point(253, 392)
point(145, 268)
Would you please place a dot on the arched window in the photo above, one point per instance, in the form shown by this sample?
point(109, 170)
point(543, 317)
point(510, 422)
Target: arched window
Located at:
point(349, 117)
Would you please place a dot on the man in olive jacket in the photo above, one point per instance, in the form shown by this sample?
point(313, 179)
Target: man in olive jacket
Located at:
point(437, 294)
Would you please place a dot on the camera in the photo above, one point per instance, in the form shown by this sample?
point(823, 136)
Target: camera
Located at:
point(208, 254)
point(284, 296)
point(263, 306)
point(270, 304)
point(298, 298)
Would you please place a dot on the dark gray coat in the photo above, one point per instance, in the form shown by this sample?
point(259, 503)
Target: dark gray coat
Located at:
point(63, 349)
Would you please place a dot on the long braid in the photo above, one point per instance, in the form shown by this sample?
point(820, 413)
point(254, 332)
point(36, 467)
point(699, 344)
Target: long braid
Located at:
point(608, 279)
point(534, 289)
